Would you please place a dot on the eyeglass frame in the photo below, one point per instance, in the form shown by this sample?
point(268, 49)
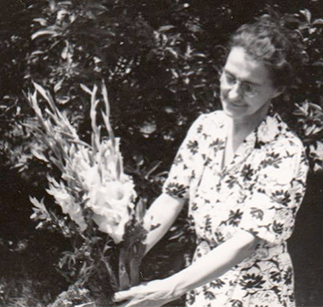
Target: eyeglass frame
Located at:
point(242, 84)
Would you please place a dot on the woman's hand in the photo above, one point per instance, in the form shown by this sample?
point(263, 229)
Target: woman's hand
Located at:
point(152, 294)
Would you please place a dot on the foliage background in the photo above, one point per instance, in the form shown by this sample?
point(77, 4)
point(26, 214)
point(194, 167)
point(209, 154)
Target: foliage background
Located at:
point(161, 62)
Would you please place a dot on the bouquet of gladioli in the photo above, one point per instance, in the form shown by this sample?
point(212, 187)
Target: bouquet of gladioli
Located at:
point(97, 200)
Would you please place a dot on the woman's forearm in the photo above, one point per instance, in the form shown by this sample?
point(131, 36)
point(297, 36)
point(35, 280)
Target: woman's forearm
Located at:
point(207, 268)
point(160, 217)
point(214, 264)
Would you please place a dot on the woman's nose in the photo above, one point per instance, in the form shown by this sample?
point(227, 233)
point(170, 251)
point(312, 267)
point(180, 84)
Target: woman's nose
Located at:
point(235, 92)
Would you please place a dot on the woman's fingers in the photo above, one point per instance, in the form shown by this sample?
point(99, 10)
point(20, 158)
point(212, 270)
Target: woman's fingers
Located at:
point(128, 294)
point(125, 304)
point(124, 299)
point(122, 296)
point(144, 295)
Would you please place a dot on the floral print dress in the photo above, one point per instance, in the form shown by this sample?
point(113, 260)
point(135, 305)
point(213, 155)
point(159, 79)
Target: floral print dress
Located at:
point(260, 192)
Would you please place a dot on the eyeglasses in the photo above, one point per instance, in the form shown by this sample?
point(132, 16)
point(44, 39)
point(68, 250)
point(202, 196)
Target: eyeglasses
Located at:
point(249, 90)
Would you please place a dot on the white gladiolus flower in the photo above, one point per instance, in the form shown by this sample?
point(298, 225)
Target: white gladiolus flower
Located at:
point(112, 206)
point(67, 202)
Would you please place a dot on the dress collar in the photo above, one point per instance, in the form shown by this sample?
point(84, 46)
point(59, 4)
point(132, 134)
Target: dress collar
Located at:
point(267, 131)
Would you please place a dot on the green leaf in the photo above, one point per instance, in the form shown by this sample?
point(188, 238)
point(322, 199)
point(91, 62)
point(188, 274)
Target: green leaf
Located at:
point(39, 156)
point(307, 14)
point(165, 28)
point(42, 21)
point(41, 33)
point(140, 210)
point(85, 88)
point(318, 21)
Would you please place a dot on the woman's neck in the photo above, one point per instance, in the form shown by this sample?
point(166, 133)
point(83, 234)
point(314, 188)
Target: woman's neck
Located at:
point(237, 132)
point(240, 128)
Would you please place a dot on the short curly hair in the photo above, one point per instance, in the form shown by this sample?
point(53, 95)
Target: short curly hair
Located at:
point(271, 42)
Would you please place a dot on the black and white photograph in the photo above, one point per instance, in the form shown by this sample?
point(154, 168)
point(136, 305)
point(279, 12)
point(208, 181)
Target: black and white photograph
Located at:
point(161, 153)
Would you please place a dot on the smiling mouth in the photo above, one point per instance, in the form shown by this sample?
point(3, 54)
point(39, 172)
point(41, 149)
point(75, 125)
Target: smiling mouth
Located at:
point(236, 105)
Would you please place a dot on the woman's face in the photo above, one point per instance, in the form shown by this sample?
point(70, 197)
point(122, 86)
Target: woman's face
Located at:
point(246, 87)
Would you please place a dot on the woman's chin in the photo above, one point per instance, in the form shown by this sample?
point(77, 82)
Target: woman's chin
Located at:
point(233, 112)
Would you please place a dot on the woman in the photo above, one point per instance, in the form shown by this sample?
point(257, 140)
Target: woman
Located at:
point(243, 172)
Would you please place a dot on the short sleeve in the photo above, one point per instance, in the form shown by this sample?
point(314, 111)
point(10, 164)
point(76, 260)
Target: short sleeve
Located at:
point(188, 160)
point(277, 195)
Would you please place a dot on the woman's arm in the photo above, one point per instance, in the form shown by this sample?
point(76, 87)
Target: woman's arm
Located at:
point(160, 217)
point(205, 269)
point(215, 263)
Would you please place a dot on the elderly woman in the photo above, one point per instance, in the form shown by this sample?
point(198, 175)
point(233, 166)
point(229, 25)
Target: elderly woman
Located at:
point(243, 174)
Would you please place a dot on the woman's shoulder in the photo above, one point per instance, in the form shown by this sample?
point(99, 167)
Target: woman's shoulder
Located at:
point(283, 137)
point(211, 120)
point(282, 151)
point(289, 135)
point(208, 125)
